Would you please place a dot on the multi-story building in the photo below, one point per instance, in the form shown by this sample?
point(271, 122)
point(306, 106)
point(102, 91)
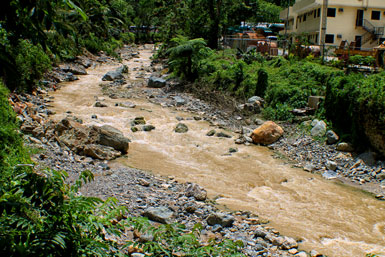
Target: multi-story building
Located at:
point(362, 21)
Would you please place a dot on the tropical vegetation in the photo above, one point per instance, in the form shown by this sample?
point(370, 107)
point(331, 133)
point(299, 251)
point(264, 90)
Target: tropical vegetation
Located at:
point(40, 214)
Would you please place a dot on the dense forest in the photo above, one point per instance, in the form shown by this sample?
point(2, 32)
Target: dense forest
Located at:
point(35, 34)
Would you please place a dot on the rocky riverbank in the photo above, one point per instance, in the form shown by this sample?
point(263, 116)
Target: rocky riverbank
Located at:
point(162, 199)
point(70, 146)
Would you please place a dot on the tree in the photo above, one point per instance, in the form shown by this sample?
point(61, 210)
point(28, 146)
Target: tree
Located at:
point(185, 56)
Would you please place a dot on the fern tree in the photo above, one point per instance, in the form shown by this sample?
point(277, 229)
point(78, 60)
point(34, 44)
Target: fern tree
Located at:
point(186, 55)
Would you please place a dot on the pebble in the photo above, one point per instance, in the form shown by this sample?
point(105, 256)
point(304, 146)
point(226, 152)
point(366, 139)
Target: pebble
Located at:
point(330, 165)
point(211, 133)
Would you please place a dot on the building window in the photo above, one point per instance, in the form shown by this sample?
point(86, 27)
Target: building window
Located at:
point(315, 14)
point(304, 17)
point(319, 12)
point(329, 38)
point(376, 15)
point(331, 12)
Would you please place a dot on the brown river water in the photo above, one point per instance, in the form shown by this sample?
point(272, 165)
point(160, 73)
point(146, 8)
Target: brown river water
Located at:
point(332, 218)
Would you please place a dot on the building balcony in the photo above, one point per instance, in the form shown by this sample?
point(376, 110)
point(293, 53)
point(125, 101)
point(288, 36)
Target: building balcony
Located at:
point(283, 14)
point(306, 5)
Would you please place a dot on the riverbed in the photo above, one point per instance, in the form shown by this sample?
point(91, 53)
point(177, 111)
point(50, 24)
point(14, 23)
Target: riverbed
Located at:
point(333, 218)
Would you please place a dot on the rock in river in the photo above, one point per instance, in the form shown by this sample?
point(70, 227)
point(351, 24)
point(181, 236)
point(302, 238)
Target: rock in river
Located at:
point(110, 136)
point(155, 82)
point(116, 74)
point(181, 128)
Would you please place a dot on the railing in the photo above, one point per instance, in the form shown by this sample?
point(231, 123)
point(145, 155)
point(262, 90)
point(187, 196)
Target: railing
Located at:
point(368, 36)
point(368, 26)
point(378, 31)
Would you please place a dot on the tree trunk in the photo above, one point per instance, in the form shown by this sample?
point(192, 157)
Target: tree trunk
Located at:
point(214, 10)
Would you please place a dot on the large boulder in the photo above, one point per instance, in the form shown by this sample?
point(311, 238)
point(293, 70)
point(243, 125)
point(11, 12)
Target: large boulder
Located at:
point(160, 214)
point(103, 142)
point(74, 69)
point(83, 61)
point(331, 137)
point(110, 136)
point(116, 74)
point(222, 219)
point(100, 152)
point(72, 134)
point(155, 82)
point(268, 133)
point(319, 129)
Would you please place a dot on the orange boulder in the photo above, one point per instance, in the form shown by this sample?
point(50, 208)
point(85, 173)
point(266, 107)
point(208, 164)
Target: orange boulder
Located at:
point(267, 133)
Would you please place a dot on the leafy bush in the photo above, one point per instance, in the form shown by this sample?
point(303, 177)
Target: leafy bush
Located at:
point(64, 47)
point(262, 82)
point(362, 60)
point(354, 101)
point(31, 62)
point(11, 145)
point(128, 38)
point(279, 112)
point(171, 240)
point(40, 215)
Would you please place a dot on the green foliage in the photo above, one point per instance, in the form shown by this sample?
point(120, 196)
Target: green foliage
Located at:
point(63, 28)
point(262, 82)
point(31, 61)
point(362, 60)
point(354, 100)
point(186, 55)
point(279, 112)
point(11, 146)
point(41, 215)
point(174, 239)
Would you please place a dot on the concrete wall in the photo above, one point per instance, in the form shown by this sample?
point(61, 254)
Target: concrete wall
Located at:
point(311, 24)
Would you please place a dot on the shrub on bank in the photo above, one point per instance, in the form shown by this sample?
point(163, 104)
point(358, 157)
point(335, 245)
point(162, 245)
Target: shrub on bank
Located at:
point(40, 215)
point(356, 105)
point(32, 62)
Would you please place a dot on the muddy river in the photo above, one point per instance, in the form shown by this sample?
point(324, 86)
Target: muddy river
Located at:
point(334, 219)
